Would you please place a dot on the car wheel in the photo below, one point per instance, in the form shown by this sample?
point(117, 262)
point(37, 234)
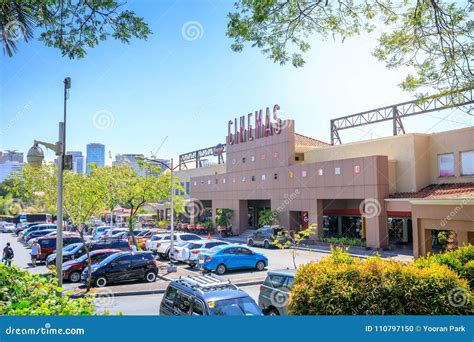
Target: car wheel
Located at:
point(260, 265)
point(150, 277)
point(266, 244)
point(101, 282)
point(250, 243)
point(221, 269)
point(272, 312)
point(74, 277)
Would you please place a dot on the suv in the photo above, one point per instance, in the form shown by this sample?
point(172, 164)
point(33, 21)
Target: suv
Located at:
point(163, 246)
point(273, 297)
point(266, 236)
point(48, 244)
point(123, 266)
point(206, 295)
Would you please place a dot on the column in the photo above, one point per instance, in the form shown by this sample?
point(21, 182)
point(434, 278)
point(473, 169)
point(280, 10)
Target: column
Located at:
point(376, 226)
point(315, 216)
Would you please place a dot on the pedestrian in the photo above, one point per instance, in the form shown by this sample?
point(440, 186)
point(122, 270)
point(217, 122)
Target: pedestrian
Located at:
point(35, 251)
point(8, 255)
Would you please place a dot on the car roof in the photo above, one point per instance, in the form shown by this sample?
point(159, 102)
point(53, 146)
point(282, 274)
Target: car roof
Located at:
point(286, 272)
point(215, 294)
point(106, 250)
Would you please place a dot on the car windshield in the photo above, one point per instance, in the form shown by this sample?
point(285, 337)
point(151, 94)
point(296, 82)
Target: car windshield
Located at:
point(195, 245)
point(71, 247)
point(108, 259)
point(216, 249)
point(190, 237)
point(155, 238)
point(243, 306)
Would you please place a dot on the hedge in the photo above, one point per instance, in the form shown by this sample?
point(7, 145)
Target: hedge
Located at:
point(343, 285)
point(22, 293)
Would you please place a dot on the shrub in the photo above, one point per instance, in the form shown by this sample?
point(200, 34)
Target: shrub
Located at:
point(341, 240)
point(343, 285)
point(460, 261)
point(22, 293)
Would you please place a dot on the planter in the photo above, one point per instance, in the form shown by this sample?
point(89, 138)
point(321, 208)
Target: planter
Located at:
point(191, 226)
point(184, 225)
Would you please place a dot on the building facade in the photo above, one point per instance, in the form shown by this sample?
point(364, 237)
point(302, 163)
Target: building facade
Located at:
point(396, 192)
point(11, 156)
point(96, 155)
point(77, 161)
point(133, 161)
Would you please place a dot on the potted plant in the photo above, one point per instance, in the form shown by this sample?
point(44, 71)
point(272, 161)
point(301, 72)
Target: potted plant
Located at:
point(223, 219)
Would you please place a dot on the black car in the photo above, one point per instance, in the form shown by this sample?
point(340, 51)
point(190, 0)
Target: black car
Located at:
point(207, 295)
point(266, 236)
point(110, 243)
point(121, 267)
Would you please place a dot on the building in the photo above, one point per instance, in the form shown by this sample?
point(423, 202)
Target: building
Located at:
point(77, 161)
point(393, 192)
point(11, 156)
point(9, 167)
point(133, 161)
point(96, 155)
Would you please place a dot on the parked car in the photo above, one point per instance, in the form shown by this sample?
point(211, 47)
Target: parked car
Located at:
point(7, 227)
point(70, 252)
point(20, 227)
point(266, 236)
point(273, 297)
point(72, 269)
point(163, 246)
point(36, 227)
point(220, 259)
point(113, 231)
point(48, 244)
point(121, 244)
point(206, 295)
point(188, 251)
point(152, 243)
point(121, 267)
point(36, 234)
point(98, 231)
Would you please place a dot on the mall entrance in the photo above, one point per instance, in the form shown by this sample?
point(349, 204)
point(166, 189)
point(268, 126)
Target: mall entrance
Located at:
point(254, 207)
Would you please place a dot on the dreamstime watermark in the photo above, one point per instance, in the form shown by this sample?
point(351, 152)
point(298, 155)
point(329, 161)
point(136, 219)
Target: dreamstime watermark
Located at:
point(460, 119)
point(192, 30)
point(452, 214)
point(104, 300)
point(13, 206)
point(279, 297)
point(19, 114)
point(459, 297)
point(193, 208)
point(370, 208)
point(14, 31)
point(103, 119)
point(46, 330)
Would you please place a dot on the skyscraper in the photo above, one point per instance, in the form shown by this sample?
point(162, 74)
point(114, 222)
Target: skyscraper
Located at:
point(77, 161)
point(96, 155)
point(11, 156)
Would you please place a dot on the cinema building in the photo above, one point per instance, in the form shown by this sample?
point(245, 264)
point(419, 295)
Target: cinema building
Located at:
point(392, 192)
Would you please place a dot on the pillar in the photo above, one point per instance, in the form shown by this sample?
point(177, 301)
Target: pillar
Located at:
point(315, 216)
point(376, 226)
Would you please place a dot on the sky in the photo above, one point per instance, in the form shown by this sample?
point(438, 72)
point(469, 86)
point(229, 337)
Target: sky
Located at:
point(175, 92)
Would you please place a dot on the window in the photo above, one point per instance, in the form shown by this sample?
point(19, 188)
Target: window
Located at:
point(198, 309)
point(290, 174)
point(467, 163)
point(276, 154)
point(217, 181)
point(303, 173)
point(263, 156)
point(277, 281)
point(209, 182)
point(446, 165)
point(275, 176)
point(170, 295)
point(337, 170)
point(223, 180)
point(263, 177)
point(233, 161)
point(243, 178)
point(244, 251)
point(233, 180)
point(183, 302)
point(202, 182)
point(320, 172)
point(253, 178)
point(187, 187)
point(195, 183)
point(356, 169)
point(243, 160)
point(252, 158)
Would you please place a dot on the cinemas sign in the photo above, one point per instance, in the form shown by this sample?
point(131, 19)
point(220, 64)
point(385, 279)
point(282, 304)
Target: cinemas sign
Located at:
point(253, 126)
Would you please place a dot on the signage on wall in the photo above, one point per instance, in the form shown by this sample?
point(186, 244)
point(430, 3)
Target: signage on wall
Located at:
point(254, 126)
point(218, 149)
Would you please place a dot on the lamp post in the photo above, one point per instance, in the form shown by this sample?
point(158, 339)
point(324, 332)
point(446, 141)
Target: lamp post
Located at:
point(171, 267)
point(35, 158)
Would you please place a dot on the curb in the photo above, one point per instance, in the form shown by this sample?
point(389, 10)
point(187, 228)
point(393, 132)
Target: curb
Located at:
point(157, 291)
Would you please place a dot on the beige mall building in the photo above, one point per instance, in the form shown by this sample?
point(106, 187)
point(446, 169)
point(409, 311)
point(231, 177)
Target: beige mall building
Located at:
point(394, 192)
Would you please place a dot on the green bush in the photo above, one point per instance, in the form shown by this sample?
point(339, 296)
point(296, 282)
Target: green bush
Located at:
point(22, 293)
point(460, 261)
point(336, 240)
point(343, 285)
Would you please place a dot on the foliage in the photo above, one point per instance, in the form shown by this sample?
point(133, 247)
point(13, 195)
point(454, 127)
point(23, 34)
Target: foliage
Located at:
point(208, 224)
point(224, 216)
point(283, 240)
point(22, 293)
point(343, 285)
point(342, 240)
point(163, 224)
point(460, 261)
point(433, 38)
point(73, 27)
point(267, 217)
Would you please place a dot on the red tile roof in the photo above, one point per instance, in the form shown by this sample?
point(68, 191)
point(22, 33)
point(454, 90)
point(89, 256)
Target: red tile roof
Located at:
point(440, 191)
point(303, 140)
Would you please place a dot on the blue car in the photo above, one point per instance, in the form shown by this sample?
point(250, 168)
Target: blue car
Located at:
point(232, 257)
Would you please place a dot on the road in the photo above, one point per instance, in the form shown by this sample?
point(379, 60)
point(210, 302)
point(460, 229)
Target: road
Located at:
point(146, 304)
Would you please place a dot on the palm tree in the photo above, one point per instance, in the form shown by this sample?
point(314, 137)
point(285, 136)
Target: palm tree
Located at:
point(16, 23)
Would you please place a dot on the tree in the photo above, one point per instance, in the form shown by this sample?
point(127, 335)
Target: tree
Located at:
point(283, 240)
point(267, 217)
point(434, 38)
point(70, 26)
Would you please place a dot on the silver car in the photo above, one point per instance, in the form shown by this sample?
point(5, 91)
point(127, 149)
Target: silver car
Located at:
point(274, 293)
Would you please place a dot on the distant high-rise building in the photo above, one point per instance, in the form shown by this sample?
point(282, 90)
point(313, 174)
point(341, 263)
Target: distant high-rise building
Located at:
point(11, 156)
point(9, 167)
point(132, 160)
point(96, 155)
point(77, 161)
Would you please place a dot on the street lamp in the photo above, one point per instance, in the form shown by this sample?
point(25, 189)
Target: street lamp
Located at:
point(35, 158)
point(171, 267)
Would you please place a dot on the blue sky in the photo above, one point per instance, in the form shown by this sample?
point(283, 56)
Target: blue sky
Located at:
point(184, 91)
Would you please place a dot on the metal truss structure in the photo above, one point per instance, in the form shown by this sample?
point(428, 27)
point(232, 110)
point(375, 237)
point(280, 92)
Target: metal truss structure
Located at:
point(396, 112)
point(199, 154)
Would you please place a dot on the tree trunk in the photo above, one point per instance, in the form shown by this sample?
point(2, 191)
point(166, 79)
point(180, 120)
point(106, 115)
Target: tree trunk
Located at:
point(89, 260)
point(130, 226)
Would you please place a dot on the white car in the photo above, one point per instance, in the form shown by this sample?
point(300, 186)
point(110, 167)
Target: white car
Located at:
point(7, 227)
point(188, 252)
point(163, 246)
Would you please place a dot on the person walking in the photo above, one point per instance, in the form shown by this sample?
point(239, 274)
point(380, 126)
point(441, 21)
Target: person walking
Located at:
point(8, 255)
point(35, 251)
